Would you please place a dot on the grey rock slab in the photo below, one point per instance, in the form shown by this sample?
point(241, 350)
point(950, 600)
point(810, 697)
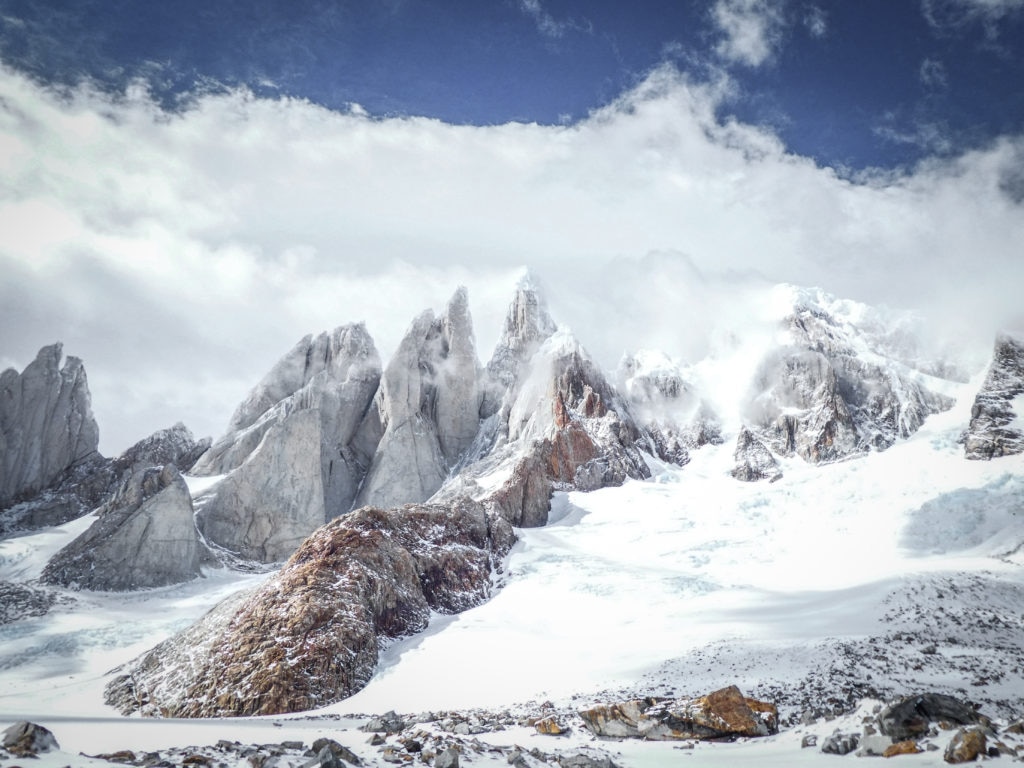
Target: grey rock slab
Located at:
point(46, 423)
point(426, 411)
point(265, 508)
point(25, 739)
point(144, 537)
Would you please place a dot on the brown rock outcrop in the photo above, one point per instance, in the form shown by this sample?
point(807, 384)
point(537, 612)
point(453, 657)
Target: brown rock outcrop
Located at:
point(723, 714)
point(966, 745)
point(309, 635)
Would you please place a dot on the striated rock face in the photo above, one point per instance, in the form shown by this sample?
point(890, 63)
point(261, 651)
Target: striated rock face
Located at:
point(46, 424)
point(997, 416)
point(753, 459)
point(309, 635)
point(265, 508)
point(334, 375)
point(144, 537)
point(426, 413)
point(825, 398)
point(723, 714)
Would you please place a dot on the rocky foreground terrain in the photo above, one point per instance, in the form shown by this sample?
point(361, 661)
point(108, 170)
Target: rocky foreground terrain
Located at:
point(723, 726)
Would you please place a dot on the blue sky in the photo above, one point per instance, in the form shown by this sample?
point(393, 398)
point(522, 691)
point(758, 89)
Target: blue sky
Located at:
point(851, 84)
point(188, 188)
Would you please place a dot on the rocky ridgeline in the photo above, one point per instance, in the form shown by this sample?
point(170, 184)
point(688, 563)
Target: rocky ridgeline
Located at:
point(91, 483)
point(321, 456)
point(997, 416)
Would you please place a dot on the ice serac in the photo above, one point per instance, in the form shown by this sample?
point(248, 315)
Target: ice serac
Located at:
point(265, 508)
point(753, 459)
point(144, 536)
point(997, 416)
point(827, 394)
point(310, 635)
point(46, 424)
point(334, 374)
point(426, 411)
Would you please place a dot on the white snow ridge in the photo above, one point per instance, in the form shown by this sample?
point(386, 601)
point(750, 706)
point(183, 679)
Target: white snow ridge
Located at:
point(571, 540)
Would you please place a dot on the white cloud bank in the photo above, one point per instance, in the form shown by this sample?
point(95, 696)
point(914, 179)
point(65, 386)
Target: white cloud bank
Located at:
point(180, 255)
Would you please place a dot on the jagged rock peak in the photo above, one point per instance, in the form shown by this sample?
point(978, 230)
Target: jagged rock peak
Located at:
point(300, 422)
point(527, 325)
point(174, 445)
point(266, 507)
point(46, 423)
point(347, 352)
point(143, 537)
point(997, 416)
point(426, 413)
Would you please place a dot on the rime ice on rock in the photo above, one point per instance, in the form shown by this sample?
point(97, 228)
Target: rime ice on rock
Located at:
point(997, 416)
point(828, 394)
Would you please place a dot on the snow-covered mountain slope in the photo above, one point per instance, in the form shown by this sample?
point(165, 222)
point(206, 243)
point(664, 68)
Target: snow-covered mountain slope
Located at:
point(890, 564)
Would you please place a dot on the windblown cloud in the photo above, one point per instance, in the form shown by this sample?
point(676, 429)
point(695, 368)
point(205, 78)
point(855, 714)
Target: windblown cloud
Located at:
point(181, 254)
point(751, 30)
point(946, 14)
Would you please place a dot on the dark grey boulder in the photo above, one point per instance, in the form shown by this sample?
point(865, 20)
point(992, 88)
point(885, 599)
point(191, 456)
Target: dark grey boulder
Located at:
point(25, 739)
point(910, 717)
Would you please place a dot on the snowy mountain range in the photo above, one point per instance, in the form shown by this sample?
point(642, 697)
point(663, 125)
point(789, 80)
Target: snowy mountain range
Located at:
point(823, 514)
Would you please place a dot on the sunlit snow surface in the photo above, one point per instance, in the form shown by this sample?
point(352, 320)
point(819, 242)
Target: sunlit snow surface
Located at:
point(625, 579)
point(687, 582)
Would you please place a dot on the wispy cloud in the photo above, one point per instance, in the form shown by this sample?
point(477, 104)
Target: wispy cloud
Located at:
point(547, 25)
point(954, 14)
point(933, 73)
point(815, 21)
point(181, 254)
point(927, 136)
point(751, 30)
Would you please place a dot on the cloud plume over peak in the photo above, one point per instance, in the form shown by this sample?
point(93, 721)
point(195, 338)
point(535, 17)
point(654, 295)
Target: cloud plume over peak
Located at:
point(180, 254)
